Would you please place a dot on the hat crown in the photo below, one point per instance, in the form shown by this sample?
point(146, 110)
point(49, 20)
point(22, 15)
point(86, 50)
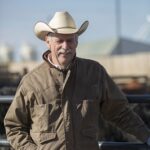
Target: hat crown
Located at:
point(62, 20)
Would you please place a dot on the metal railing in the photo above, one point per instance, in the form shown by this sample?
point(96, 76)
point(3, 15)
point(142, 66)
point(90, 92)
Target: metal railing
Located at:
point(133, 98)
point(138, 98)
point(123, 146)
point(103, 145)
point(4, 143)
point(6, 99)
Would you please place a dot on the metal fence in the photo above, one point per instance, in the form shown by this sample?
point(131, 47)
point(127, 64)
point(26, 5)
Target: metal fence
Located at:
point(6, 100)
point(123, 146)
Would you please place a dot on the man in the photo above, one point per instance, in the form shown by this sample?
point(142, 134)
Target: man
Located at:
point(59, 105)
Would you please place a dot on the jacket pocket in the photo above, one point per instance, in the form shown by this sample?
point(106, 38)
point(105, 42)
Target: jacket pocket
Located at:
point(44, 117)
point(46, 137)
point(90, 117)
point(90, 108)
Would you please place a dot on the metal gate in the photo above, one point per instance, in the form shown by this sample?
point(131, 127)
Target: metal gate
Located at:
point(6, 100)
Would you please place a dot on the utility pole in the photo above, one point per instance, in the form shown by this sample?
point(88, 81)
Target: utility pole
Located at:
point(118, 23)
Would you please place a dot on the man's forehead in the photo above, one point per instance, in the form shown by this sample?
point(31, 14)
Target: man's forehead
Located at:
point(63, 36)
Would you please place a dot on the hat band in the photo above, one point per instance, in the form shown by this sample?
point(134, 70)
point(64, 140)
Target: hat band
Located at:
point(63, 28)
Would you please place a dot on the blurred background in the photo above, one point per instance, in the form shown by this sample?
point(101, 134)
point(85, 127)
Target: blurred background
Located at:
point(118, 37)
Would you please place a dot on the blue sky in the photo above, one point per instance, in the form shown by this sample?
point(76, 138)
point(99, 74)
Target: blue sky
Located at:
point(18, 17)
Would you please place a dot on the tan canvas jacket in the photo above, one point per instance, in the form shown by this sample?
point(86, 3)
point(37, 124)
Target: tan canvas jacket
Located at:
point(61, 110)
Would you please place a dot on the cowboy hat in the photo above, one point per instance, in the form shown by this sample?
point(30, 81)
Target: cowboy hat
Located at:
point(61, 23)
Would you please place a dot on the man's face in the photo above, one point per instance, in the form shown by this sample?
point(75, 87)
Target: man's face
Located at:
point(63, 48)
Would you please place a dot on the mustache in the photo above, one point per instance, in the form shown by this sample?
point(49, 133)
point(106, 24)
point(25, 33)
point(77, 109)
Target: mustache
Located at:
point(63, 51)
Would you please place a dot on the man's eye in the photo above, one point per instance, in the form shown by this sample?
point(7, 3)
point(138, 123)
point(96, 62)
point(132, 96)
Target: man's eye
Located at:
point(59, 41)
point(70, 40)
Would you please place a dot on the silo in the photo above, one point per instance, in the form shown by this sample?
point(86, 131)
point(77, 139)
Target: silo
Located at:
point(6, 54)
point(28, 53)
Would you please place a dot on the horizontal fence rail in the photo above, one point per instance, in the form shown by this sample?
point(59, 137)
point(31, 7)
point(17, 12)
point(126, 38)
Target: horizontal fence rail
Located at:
point(131, 98)
point(103, 145)
point(6, 99)
point(123, 146)
point(4, 143)
point(138, 98)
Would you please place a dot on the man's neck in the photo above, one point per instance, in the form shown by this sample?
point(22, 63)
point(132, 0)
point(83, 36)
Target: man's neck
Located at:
point(61, 67)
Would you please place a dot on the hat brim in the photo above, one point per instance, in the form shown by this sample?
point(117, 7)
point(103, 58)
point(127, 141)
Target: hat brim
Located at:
point(41, 29)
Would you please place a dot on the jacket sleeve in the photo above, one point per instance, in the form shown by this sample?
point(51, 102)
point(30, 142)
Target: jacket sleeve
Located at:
point(115, 108)
point(17, 123)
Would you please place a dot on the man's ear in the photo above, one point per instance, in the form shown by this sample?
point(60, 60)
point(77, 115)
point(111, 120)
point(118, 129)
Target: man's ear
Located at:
point(47, 41)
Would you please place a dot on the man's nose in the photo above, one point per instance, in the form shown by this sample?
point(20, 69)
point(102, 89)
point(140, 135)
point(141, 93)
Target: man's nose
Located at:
point(64, 45)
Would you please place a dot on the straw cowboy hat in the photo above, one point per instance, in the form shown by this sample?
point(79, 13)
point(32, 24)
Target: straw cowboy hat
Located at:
point(61, 23)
